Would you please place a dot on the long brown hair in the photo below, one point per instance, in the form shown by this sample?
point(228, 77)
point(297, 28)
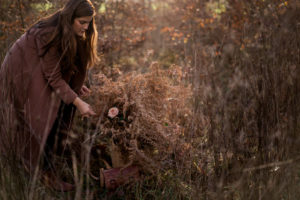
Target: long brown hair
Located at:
point(66, 40)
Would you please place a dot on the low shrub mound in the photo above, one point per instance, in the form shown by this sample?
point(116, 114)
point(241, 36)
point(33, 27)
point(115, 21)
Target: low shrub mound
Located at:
point(141, 118)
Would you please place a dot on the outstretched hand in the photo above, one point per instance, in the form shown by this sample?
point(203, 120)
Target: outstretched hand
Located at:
point(84, 108)
point(84, 91)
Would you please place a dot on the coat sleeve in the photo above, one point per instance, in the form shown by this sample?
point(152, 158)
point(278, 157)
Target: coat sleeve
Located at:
point(50, 64)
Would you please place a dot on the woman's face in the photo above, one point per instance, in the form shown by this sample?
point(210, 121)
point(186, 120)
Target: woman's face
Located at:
point(81, 24)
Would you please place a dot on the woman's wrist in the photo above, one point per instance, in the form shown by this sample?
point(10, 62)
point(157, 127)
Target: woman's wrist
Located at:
point(77, 101)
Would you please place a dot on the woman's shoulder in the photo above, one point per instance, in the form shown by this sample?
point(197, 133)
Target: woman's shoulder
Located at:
point(42, 33)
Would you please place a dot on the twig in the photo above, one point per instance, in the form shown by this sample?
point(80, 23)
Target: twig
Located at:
point(274, 164)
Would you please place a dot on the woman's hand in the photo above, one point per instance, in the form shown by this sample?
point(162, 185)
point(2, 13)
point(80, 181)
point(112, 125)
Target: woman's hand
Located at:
point(84, 108)
point(84, 91)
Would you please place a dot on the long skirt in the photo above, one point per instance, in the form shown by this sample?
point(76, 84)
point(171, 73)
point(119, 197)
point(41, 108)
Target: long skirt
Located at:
point(56, 145)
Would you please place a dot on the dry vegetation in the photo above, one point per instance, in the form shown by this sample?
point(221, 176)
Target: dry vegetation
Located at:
point(216, 116)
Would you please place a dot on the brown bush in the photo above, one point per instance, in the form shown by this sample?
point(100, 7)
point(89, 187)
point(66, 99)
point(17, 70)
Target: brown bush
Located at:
point(153, 109)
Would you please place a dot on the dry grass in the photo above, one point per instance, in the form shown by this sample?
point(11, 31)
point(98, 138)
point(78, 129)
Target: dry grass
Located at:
point(231, 134)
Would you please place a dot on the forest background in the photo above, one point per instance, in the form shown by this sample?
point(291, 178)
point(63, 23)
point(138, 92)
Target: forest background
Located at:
point(234, 66)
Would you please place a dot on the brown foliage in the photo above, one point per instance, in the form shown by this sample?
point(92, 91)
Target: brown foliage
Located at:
point(154, 108)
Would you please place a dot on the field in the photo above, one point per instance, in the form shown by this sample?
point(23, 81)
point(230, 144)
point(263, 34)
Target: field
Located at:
point(208, 99)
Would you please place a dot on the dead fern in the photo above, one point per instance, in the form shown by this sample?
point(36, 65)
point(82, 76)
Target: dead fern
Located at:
point(153, 109)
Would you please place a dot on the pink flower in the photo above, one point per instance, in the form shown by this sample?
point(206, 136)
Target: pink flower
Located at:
point(112, 112)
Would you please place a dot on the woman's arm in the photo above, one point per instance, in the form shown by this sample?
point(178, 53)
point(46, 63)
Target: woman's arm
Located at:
point(51, 70)
point(50, 64)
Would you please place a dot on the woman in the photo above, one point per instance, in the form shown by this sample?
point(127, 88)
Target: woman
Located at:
point(41, 81)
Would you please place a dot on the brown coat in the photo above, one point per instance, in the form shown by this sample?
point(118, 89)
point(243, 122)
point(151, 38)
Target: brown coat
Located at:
point(32, 88)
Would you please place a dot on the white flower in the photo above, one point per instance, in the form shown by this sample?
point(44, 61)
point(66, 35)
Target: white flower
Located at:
point(112, 112)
